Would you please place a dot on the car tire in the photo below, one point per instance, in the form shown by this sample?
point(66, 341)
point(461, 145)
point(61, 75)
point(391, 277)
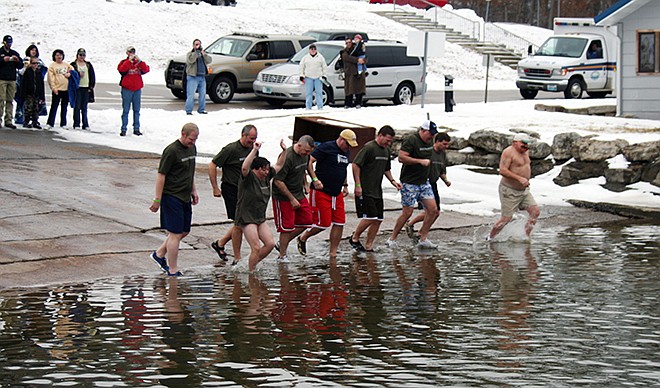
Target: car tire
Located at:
point(276, 102)
point(528, 94)
point(574, 89)
point(179, 93)
point(222, 90)
point(404, 94)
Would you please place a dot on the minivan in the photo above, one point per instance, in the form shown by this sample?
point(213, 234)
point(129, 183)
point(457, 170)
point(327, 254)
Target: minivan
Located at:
point(393, 75)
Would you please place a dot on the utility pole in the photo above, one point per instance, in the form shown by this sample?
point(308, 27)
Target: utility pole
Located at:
point(558, 8)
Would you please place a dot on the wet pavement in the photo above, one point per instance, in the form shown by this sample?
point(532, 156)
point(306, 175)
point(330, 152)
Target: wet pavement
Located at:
point(77, 212)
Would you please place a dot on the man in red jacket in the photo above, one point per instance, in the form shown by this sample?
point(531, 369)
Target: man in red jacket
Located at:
point(131, 70)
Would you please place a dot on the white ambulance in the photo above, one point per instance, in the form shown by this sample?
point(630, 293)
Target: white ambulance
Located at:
point(579, 57)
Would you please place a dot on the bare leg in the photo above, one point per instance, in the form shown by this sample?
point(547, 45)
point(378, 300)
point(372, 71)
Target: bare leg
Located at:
point(418, 218)
point(236, 234)
point(430, 215)
point(534, 213)
point(406, 212)
point(361, 227)
point(286, 238)
point(499, 225)
point(171, 251)
point(371, 234)
point(310, 232)
point(255, 235)
point(335, 236)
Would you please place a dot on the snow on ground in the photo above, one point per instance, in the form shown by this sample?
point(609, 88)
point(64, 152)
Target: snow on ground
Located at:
point(161, 30)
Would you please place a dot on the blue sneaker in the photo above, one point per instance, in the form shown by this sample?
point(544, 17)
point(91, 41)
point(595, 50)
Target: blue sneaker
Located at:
point(177, 273)
point(161, 261)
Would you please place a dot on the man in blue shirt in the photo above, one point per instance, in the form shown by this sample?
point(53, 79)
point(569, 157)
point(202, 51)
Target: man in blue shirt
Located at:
point(328, 189)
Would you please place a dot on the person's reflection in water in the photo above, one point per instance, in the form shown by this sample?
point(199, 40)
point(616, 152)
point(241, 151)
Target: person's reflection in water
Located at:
point(73, 321)
point(367, 295)
point(180, 338)
point(518, 278)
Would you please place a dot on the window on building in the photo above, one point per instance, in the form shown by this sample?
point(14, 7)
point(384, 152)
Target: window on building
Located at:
point(648, 53)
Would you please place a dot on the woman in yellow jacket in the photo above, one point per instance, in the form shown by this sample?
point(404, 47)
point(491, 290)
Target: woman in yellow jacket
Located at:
point(58, 79)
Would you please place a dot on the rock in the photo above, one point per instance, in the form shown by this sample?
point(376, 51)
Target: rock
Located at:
point(651, 172)
point(455, 158)
point(541, 166)
point(490, 141)
point(588, 150)
point(603, 110)
point(571, 173)
point(642, 152)
point(539, 150)
point(458, 143)
point(549, 108)
point(482, 159)
point(562, 145)
point(623, 176)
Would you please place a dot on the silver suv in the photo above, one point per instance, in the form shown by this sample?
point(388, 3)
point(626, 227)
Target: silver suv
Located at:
point(237, 59)
point(393, 75)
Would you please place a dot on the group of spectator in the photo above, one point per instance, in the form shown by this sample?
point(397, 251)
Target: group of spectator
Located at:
point(23, 80)
point(71, 84)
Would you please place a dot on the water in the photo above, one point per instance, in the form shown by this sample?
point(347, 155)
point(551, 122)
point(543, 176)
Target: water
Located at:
point(576, 307)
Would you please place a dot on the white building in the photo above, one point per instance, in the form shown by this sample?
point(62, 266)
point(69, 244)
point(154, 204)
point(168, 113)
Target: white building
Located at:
point(638, 65)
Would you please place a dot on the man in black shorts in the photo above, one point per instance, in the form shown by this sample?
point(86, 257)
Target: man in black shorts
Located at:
point(369, 166)
point(230, 159)
point(175, 195)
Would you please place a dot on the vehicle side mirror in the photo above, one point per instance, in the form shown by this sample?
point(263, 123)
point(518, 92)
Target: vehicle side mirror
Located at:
point(252, 57)
point(339, 65)
point(529, 50)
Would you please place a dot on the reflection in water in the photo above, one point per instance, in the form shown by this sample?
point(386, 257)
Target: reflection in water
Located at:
point(577, 306)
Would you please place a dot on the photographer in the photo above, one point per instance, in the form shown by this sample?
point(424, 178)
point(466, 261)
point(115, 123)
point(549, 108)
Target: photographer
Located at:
point(131, 69)
point(197, 61)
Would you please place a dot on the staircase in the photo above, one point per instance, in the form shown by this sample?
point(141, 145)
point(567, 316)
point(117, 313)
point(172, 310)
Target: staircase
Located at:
point(500, 53)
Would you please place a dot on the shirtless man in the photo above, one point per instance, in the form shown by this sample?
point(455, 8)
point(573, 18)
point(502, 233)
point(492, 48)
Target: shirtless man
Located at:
point(516, 169)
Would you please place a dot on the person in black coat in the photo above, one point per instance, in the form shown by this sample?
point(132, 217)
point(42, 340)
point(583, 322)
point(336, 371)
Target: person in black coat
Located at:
point(32, 91)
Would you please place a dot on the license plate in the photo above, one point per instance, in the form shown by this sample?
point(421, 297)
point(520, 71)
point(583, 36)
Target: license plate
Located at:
point(178, 82)
point(552, 88)
point(267, 90)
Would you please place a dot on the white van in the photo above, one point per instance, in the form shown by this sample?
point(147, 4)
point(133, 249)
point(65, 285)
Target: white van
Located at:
point(579, 57)
point(392, 75)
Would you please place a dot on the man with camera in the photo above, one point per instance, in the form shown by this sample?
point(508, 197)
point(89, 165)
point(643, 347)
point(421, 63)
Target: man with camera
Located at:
point(197, 61)
point(131, 69)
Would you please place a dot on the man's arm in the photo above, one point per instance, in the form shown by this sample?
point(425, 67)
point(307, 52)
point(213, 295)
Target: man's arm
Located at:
point(316, 183)
point(388, 175)
point(213, 177)
point(357, 190)
point(160, 183)
point(247, 162)
point(405, 158)
point(281, 186)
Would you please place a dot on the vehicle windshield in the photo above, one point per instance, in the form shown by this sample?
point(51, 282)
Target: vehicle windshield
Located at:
point(329, 52)
point(563, 47)
point(229, 46)
point(318, 35)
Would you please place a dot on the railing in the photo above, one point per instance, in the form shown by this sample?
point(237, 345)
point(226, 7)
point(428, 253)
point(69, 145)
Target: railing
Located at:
point(454, 21)
point(499, 35)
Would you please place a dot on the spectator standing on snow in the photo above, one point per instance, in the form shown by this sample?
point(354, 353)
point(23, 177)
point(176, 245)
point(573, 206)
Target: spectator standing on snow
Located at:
point(58, 79)
point(131, 69)
point(85, 88)
point(32, 93)
point(10, 62)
